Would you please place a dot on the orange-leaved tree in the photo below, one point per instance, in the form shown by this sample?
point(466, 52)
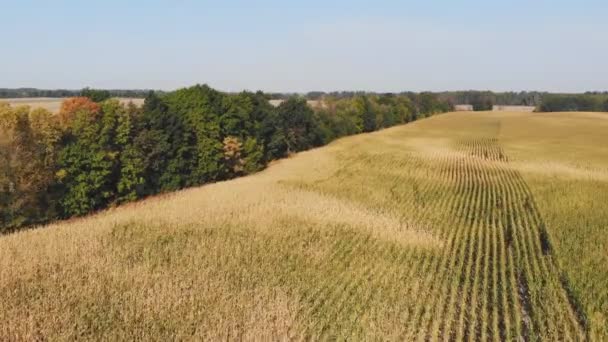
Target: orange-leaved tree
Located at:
point(74, 105)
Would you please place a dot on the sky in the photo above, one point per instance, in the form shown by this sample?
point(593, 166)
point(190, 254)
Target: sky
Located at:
point(300, 46)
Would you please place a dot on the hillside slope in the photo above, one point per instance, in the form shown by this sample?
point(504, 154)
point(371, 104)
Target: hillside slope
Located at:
point(464, 225)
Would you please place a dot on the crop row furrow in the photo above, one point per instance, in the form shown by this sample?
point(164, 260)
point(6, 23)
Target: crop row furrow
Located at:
point(467, 282)
point(431, 261)
point(440, 292)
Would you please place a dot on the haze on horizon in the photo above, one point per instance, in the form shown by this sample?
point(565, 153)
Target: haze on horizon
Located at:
point(558, 46)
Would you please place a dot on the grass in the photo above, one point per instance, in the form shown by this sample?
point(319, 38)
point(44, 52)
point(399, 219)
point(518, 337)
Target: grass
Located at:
point(461, 226)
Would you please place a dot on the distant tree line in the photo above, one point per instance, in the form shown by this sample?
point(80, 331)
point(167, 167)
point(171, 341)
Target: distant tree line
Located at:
point(97, 152)
point(544, 102)
point(6, 93)
point(588, 102)
point(480, 100)
point(485, 100)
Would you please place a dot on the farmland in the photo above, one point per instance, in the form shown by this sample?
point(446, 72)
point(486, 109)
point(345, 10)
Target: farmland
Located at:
point(478, 226)
point(53, 104)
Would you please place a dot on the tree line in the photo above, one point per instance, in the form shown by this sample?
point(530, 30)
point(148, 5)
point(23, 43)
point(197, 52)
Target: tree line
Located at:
point(97, 152)
point(6, 93)
point(480, 100)
point(588, 102)
point(485, 100)
point(543, 101)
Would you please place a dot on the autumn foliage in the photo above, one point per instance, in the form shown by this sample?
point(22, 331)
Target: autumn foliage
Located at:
point(71, 106)
point(96, 152)
point(232, 155)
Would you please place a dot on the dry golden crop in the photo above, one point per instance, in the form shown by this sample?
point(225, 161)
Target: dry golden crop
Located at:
point(486, 226)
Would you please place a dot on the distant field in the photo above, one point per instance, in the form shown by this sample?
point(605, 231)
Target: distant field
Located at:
point(505, 108)
point(463, 226)
point(53, 103)
point(311, 103)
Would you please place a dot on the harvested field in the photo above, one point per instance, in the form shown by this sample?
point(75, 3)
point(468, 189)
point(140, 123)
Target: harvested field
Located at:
point(53, 104)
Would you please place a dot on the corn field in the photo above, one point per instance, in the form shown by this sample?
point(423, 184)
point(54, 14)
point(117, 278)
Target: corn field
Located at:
point(463, 226)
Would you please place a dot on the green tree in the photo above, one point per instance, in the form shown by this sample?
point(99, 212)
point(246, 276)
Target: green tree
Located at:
point(253, 155)
point(200, 155)
point(95, 95)
point(89, 162)
point(368, 115)
point(160, 146)
point(131, 183)
point(293, 128)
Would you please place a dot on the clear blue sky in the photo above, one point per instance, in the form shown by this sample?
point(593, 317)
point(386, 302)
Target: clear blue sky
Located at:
point(306, 45)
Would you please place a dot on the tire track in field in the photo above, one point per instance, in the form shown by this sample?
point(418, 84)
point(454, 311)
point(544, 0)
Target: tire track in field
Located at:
point(504, 218)
point(570, 319)
point(494, 279)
